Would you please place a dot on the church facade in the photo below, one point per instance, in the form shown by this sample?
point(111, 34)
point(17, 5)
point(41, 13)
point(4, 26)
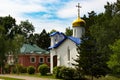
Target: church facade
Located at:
point(63, 49)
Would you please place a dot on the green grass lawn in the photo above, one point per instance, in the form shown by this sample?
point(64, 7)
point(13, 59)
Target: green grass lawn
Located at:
point(36, 75)
point(108, 77)
point(7, 78)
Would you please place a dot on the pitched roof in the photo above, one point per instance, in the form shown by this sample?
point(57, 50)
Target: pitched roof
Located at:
point(29, 48)
point(77, 41)
point(54, 33)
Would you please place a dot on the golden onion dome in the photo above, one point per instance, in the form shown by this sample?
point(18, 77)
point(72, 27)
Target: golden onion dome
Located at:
point(78, 22)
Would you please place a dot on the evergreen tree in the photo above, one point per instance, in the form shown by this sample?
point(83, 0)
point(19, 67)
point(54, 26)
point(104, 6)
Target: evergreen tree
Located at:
point(43, 40)
point(106, 30)
point(68, 31)
point(89, 62)
point(114, 62)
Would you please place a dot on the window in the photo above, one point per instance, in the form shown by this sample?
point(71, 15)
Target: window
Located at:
point(48, 59)
point(41, 60)
point(74, 32)
point(32, 59)
point(68, 54)
point(56, 38)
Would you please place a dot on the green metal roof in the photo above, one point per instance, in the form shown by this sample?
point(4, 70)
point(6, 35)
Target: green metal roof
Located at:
point(29, 48)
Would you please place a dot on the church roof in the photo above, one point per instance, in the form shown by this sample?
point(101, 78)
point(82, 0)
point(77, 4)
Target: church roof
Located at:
point(78, 22)
point(32, 48)
point(77, 41)
point(54, 33)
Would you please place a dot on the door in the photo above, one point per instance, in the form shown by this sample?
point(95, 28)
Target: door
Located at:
point(54, 60)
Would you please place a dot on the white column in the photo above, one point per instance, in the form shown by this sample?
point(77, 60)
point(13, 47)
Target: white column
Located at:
point(51, 62)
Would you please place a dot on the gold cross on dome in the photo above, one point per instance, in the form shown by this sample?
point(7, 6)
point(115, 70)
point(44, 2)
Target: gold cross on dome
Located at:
point(78, 9)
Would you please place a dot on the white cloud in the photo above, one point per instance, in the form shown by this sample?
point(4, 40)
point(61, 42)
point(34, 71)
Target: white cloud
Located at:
point(67, 10)
point(70, 11)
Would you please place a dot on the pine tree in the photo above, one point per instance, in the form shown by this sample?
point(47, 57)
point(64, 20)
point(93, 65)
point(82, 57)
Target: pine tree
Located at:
point(89, 62)
point(43, 40)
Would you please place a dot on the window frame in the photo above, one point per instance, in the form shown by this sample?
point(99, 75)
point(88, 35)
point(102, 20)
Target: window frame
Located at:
point(40, 60)
point(48, 61)
point(32, 58)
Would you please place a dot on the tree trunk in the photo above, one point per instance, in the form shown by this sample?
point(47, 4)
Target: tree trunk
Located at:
point(92, 77)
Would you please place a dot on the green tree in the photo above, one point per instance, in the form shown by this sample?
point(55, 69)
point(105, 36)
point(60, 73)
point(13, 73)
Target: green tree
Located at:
point(53, 30)
point(8, 23)
point(68, 31)
point(26, 28)
point(117, 7)
point(114, 62)
point(88, 61)
point(43, 40)
point(16, 44)
point(106, 30)
point(2, 48)
point(10, 42)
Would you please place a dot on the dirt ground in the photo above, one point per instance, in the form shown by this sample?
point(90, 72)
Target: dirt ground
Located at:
point(25, 77)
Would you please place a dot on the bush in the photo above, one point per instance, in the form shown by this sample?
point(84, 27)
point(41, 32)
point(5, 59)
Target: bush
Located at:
point(56, 72)
point(7, 68)
point(31, 70)
point(14, 70)
point(18, 68)
point(43, 69)
point(67, 73)
point(23, 69)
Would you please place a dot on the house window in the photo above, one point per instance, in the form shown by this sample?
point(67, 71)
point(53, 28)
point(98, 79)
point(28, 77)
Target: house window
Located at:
point(32, 59)
point(41, 60)
point(68, 54)
point(48, 59)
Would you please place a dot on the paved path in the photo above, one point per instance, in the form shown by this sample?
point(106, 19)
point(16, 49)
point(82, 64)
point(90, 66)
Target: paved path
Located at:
point(25, 77)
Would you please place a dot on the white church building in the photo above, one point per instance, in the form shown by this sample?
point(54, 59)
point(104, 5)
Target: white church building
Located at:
point(63, 49)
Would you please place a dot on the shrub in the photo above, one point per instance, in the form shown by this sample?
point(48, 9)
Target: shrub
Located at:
point(56, 72)
point(23, 69)
point(7, 68)
point(31, 70)
point(43, 69)
point(16, 68)
point(67, 73)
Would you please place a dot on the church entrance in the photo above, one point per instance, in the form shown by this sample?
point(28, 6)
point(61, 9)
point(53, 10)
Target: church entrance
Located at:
point(54, 60)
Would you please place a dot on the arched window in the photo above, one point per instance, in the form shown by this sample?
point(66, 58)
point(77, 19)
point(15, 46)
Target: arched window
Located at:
point(68, 54)
point(74, 32)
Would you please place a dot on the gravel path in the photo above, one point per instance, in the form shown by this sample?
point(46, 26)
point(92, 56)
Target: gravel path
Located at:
point(25, 77)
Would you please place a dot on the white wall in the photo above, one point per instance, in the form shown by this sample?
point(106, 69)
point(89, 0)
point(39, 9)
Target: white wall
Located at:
point(78, 32)
point(62, 53)
point(56, 38)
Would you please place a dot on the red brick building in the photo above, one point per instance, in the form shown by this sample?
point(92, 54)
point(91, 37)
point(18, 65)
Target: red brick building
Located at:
point(32, 55)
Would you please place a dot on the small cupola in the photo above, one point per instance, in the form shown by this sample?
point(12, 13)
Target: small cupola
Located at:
point(78, 25)
point(78, 22)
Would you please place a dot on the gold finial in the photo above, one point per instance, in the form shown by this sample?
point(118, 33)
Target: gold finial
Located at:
point(78, 9)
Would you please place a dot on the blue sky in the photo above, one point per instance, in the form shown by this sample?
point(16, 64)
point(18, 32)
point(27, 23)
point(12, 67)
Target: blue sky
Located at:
point(49, 14)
